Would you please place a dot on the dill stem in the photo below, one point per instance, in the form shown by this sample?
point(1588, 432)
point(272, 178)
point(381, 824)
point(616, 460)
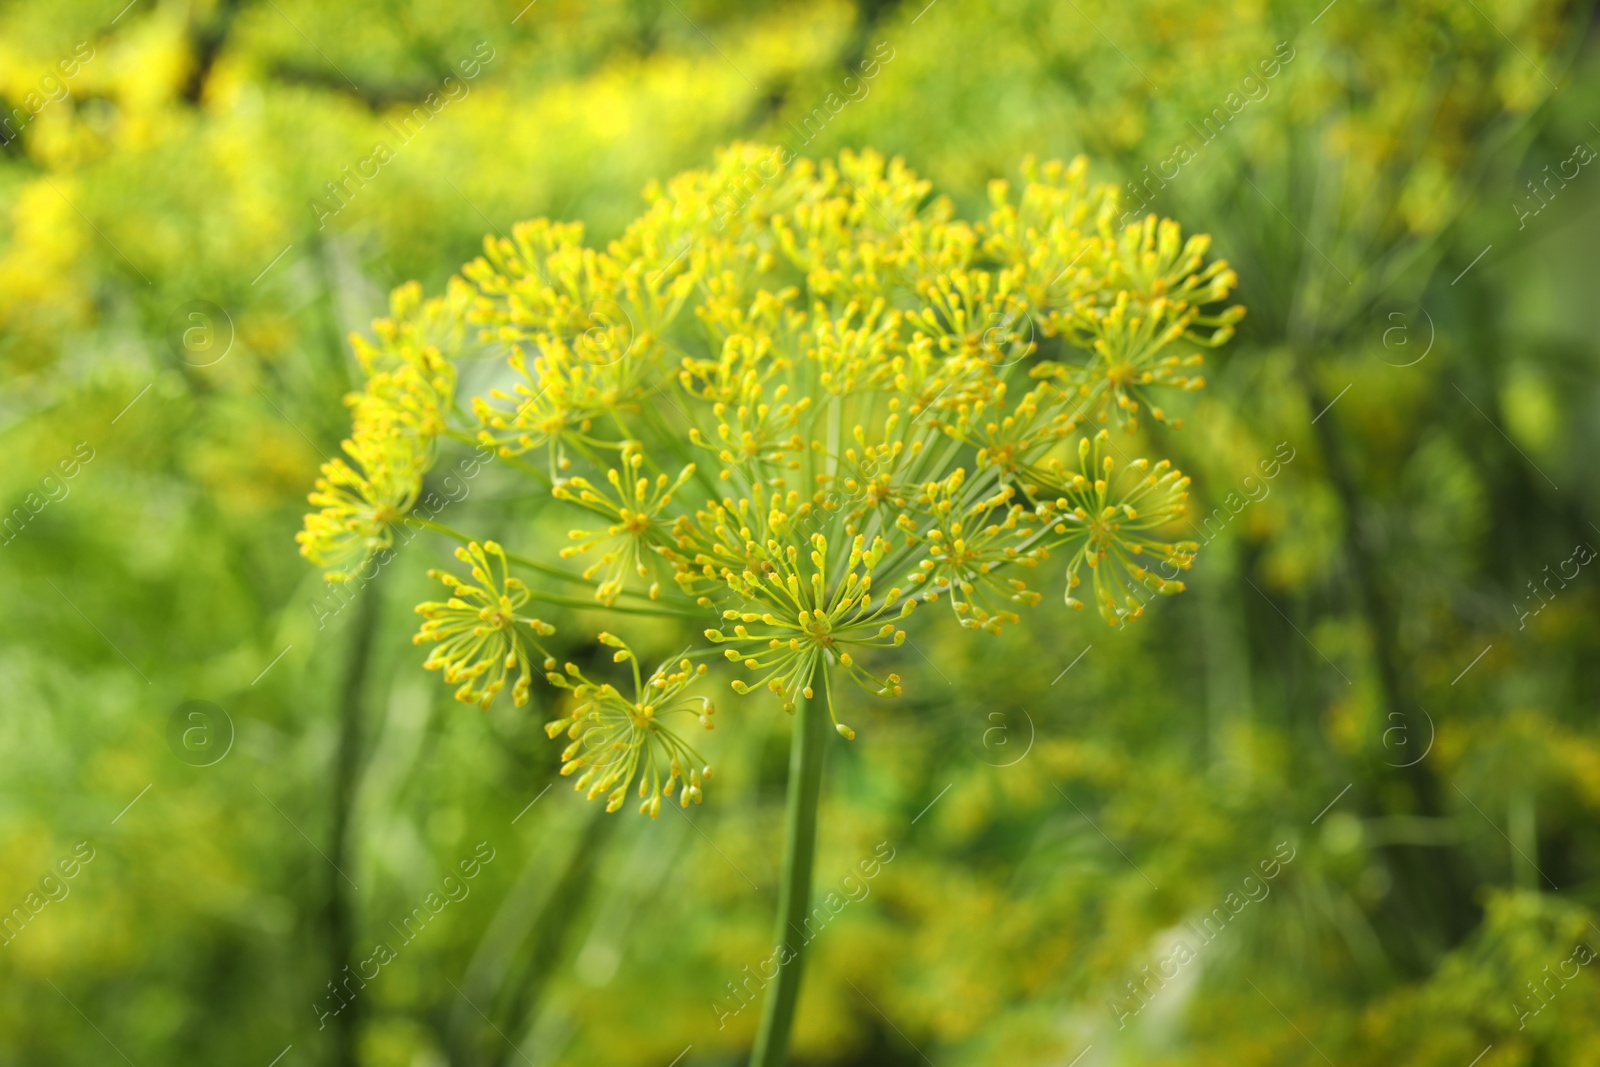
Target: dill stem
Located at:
point(806, 751)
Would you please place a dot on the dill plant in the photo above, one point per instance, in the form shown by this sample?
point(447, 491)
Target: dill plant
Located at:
point(792, 402)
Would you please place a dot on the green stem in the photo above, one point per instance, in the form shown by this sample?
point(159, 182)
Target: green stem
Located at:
point(624, 609)
point(532, 564)
point(526, 468)
point(557, 572)
point(535, 565)
point(420, 523)
point(806, 751)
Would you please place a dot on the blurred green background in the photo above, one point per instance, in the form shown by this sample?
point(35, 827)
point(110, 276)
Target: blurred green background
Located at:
point(1361, 677)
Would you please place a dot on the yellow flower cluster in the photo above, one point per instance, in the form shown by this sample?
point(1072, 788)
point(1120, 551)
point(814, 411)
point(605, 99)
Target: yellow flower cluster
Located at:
point(635, 508)
point(867, 386)
point(615, 739)
point(478, 633)
point(809, 621)
point(1106, 520)
point(396, 420)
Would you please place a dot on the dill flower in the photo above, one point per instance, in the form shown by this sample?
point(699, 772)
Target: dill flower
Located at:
point(806, 626)
point(636, 504)
point(784, 380)
point(1125, 296)
point(1012, 439)
point(479, 637)
point(971, 544)
point(409, 364)
point(1107, 518)
point(360, 502)
point(396, 421)
point(583, 327)
point(553, 406)
point(615, 739)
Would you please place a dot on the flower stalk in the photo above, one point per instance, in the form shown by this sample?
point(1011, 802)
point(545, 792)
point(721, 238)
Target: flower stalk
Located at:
point(806, 752)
